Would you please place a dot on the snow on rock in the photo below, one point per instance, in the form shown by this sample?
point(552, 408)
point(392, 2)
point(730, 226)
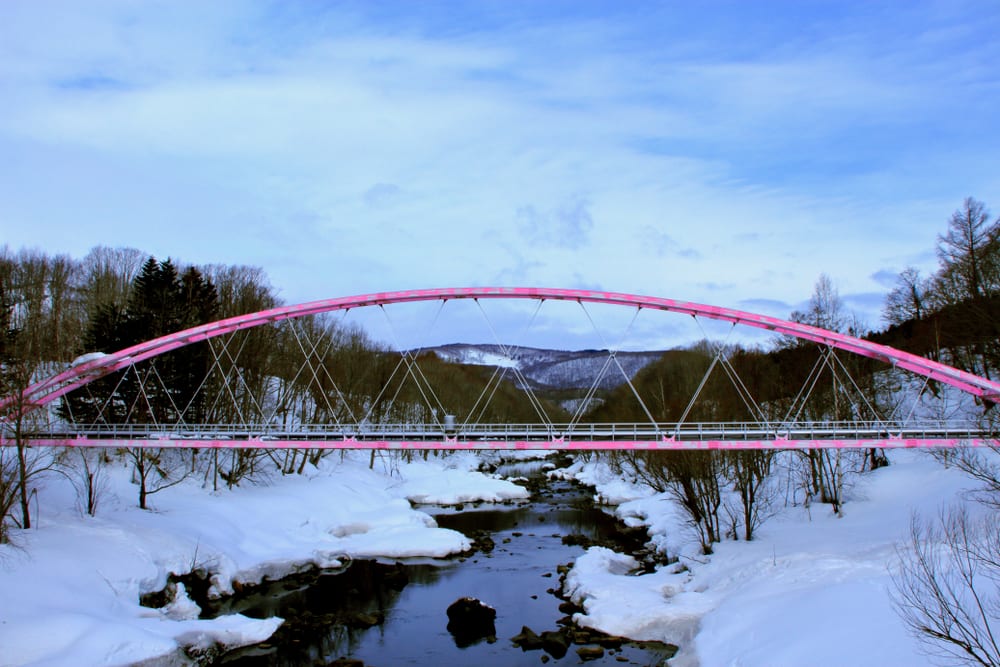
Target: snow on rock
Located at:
point(230, 631)
point(611, 488)
point(429, 483)
point(181, 608)
point(648, 607)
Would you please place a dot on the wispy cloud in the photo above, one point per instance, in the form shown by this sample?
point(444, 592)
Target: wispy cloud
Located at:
point(885, 277)
point(712, 155)
point(663, 244)
point(566, 226)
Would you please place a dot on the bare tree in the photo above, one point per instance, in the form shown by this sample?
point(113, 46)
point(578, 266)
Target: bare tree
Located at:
point(85, 469)
point(820, 474)
point(908, 300)
point(947, 588)
point(969, 279)
point(156, 469)
point(107, 275)
point(749, 471)
point(693, 477)
point(825, 309)
point(246, 365)
point(968, 251)
point(826, 466)
point(982, 465)
point(9, 492)
point(34, 301)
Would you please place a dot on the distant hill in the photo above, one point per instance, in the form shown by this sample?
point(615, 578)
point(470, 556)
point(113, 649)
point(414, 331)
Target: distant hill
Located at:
point(551, 370)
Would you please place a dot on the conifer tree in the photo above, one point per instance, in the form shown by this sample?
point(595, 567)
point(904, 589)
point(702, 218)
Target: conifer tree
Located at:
point(162, 390)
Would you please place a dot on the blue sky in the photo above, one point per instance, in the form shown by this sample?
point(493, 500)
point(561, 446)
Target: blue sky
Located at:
point(718, 152)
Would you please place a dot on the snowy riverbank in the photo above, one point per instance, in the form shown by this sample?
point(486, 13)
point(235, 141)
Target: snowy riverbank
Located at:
point(811, 590)
point(71, 586)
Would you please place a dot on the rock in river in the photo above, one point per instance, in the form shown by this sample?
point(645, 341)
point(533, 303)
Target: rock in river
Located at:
point(470, 620)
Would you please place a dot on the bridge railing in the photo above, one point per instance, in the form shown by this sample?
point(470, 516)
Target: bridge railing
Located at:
point(704, 431)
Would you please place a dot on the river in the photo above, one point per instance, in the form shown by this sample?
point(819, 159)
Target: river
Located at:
point(394, 613)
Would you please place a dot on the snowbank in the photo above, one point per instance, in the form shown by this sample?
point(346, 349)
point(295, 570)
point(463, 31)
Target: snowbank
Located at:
point(811, 589)
point(428, 482)
point(71, 586)
point(619, 602)
point(611, 488)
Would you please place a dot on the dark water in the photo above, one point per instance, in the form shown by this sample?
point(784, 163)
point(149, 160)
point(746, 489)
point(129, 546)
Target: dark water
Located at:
point(329, 614)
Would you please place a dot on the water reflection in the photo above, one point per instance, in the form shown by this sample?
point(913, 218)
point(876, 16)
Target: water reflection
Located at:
point(395, 614)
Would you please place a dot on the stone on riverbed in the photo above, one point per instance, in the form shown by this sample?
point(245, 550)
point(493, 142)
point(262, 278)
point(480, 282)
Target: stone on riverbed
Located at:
point(470, 620)
point(555, 643)
point(527, 639)
point(590, 652)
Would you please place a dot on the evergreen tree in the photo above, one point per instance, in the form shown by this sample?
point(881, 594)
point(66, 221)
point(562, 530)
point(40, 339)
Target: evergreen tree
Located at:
point(196, 302)
point(162, 390)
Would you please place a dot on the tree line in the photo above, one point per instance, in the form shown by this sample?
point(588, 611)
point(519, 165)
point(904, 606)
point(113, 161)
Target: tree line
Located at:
point(312, 370)
point(944, 584)
point(55, 308)
point(950, 316)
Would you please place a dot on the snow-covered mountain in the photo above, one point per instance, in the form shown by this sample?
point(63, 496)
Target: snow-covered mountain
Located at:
point(552, 369)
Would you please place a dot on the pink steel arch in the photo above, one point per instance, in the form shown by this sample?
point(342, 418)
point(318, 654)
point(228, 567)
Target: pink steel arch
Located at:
point(48, 390)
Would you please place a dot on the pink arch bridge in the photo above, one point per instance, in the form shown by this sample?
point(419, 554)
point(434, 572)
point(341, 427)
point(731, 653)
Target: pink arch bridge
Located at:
point(444, 433)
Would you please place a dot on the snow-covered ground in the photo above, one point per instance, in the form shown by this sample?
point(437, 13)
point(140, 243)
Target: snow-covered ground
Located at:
point(69, 589)
point(811, 589)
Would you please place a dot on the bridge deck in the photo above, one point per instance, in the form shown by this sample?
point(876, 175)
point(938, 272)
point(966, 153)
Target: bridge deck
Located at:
point(522, 436)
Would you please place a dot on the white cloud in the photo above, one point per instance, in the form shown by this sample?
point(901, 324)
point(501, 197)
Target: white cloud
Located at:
point(346, 152)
